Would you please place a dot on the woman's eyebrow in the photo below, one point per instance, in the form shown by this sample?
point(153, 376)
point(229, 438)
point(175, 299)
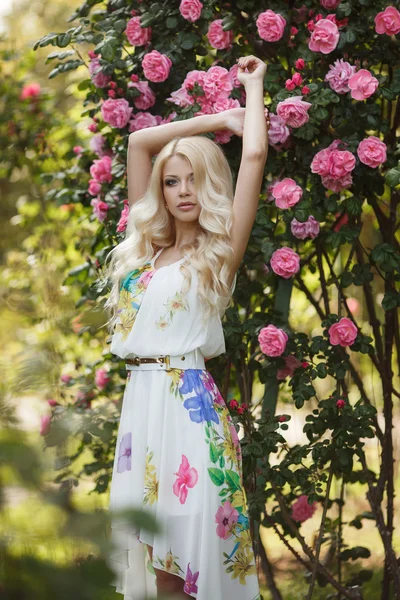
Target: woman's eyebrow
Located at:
point(175, 175)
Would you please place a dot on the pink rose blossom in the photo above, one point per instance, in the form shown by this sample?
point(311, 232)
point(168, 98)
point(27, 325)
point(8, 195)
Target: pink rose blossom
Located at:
point(291, 364)
point(94, 187)
point(116, 112)
point(223, 136)
point(226, 516)
point(339, 74)
point(93, 127)
point(340, 404)
point(272, 340)
point(78, 149)
point(285, 262)
point(278, 132)
point(217, 82)
point(335, 164)
point(305, 90)
point(156, 66)
point(147, 97)
point(187, 477)
point(388, 21)
point(324, 37)
point(65, 378)
point(223, 103)
point(293, 111)
point(302, 510)
point(99, 209)
point(137, 35)
point(270, 26)
point(337, 184)
point(297, 79)
point(45, 424)
point(302, 231)
point(52, 402)
point(97, 146)
point(101, 378)
point(372, 151)
point(330, 4)
point(289, 84)
point(217, 37)
point(362, 84)
point(286, 193)
point(123, 220)
point(101, 170)
point(190, 10)
point(30, 90)
point(233, 71)
point(342, 333)
point(299, 64)
point(142, 120)
point(99, 79)
point(192, 78)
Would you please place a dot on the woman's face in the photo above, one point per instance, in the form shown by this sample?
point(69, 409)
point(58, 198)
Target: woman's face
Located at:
point(179, 188)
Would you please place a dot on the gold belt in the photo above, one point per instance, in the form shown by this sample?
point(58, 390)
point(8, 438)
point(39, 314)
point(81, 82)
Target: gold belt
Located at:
point(138, 360)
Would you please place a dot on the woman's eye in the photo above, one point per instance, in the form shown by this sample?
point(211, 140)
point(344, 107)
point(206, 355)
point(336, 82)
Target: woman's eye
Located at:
point(169, 181)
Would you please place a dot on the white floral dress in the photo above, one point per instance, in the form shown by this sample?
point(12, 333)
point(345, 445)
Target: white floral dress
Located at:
point(177, 452)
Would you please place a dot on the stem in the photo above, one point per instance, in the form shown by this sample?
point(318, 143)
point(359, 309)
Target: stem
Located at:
point(321, 534)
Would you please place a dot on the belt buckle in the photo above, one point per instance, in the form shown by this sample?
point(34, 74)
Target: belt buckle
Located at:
point(166, 360)
point(136, 360)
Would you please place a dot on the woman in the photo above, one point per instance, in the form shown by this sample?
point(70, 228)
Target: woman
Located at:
point(177, 452)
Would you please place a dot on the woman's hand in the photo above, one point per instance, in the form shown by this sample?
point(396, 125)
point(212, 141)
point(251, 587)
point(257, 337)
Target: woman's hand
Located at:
point(234, 120)
point(251, 69)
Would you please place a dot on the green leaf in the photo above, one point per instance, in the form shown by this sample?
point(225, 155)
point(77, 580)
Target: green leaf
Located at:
point(214, 454)
point(232, 479)
point(392, 177)
point(217, 476)
point(391, 300)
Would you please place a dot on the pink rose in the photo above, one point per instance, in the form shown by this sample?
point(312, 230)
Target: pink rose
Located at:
point(137, 35)
point(291, 364)
point(101, 378)
point(30, 90)
point(123, 220)
point(337, 184)
point(156, 66)
point(97, 146)
point(99, 209)
point(388, 21)
point(340, 404)
point(290, 85)
point(293, 111)
point(343, 333)
point(217, 37)
point(302, 510)
point(190, 10)
point(181, 98)
point(101, 170)
point(341, 162)
point(324, 37)
point(65, 378)
point(339, 74)
point(286, 193)
point(217, 82)
point(372, 151)
point(116, 112)
point(78, 149)
point(142, 120)
point(278, 132)
point(233, 71)
point(297, 79)
point(94, 187)
point(285, 262)
point(270, 26)
point(362, 84)
point(272, 340)
point(222, 103)
point(45, 424)
point(223, 136)
point(99, 79)
point(147, 97)
point(299, 64)
point(309, 228)
point(330, 4)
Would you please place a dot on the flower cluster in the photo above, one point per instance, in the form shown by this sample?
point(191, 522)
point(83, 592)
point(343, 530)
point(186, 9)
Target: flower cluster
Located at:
point(240, 409)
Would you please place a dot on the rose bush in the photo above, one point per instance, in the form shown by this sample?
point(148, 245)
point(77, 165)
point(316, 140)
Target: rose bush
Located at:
point(329, 234)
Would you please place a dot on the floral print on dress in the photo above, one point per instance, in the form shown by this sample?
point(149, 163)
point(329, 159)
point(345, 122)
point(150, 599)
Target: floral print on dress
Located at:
point(200, 406)
point(170, 563)
point(124, 455)
point(174, 303)
point(190, 586)
point(150, 480)
point(187, 477)
point(132, 290)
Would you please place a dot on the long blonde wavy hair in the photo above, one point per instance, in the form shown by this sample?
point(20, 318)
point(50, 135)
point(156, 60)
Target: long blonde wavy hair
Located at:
point(151, 225)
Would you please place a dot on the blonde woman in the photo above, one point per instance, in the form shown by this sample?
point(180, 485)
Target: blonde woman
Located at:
point(177, 452)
